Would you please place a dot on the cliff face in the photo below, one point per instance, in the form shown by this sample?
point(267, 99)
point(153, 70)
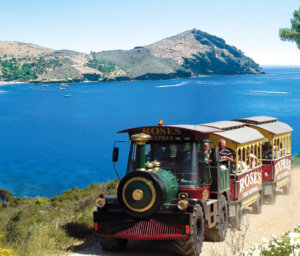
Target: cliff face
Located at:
point(191, 53)
point(202, 53)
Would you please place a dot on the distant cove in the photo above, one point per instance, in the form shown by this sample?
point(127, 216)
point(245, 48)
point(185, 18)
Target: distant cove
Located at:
point(50, 143)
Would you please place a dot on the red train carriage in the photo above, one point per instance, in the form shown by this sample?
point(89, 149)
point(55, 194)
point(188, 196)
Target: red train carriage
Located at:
point(246, 187)
point(276, 153)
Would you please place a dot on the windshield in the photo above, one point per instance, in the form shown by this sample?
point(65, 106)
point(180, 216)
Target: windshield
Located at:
point(180, 158)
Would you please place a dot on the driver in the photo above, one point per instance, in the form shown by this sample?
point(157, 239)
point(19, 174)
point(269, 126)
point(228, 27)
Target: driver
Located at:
point(224, 154)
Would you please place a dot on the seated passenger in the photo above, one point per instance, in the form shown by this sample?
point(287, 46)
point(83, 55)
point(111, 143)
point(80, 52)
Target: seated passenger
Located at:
point(224, 154)
point(269, 153)
point(253, 159)
point(265, 149)
point(207, 152)
point(276, 151)
point(282, 150)
point(242, 167)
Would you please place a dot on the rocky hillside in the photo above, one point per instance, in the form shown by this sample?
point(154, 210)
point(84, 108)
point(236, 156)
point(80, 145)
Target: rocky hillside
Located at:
point(202, 53)
point(191, 53)
point(19, 49)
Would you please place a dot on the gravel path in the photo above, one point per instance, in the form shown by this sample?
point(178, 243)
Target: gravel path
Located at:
point(274, 220)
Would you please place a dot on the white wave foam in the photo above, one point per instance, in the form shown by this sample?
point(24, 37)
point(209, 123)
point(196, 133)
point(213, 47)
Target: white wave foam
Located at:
point(273, 92)
point(171, 85)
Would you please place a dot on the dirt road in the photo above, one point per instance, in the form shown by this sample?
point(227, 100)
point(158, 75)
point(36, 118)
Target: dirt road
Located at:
point(274, 220)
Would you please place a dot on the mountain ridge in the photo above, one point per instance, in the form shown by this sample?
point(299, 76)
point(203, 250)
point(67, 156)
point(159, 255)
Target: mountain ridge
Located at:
point(188, 54)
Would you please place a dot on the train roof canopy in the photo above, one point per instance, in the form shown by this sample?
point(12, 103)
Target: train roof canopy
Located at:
point(198, 128)
point(276, 127)
point(226, 125)
point(258, 119)
point(241, 135)
point(190, 128)
point(269, 124)
point(175, 133)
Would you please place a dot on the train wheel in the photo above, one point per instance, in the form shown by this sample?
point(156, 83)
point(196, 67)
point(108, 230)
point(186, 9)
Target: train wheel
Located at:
point(287, 188)
point(236, 222)
point(113, 244)
point(192, 246)
point(218, 233)
point(257, 206)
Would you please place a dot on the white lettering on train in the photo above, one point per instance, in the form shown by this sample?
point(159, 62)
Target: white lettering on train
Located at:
point(250, 179)
point(250, 191)
point(282, 175)
point(281, 165)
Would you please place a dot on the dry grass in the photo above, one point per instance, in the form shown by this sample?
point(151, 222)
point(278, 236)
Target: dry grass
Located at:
point(18, 49)
point(41, 226)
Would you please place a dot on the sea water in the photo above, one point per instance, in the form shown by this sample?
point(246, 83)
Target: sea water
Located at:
point(50, 142)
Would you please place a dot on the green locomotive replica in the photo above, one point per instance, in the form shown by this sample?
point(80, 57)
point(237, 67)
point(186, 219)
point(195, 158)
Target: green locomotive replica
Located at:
point(171, 190)
point(179, 186)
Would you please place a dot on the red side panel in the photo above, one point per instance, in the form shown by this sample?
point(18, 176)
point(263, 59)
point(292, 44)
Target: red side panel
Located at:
point(246, 184)
point(267, 172)
point(199, 193)
point(276, 169)
point(282, 168)
point(96, 226)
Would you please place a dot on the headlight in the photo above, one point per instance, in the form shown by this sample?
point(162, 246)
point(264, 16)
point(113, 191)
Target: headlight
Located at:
point(182, 205)
point(101, 202)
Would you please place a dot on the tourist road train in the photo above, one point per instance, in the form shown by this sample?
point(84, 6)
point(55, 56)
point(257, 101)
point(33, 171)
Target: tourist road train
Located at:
point(178, 187)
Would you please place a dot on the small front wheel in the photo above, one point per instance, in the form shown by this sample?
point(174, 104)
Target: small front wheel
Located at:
point(192, 246)
point(113, 244)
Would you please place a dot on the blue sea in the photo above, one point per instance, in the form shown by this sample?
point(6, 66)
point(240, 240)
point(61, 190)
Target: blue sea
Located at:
point(50, 143)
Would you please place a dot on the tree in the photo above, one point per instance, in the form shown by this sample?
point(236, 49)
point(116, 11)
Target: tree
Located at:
point(5, 195)
point(93, 54)
point(292, 34)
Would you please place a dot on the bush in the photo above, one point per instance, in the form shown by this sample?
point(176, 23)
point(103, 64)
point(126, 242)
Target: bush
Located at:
point(42, 226)
point(288, 244)
point(101, 65)
point(5, 195)
point(27, 69)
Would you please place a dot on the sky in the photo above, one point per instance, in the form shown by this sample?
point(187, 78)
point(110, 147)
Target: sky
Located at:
point(97, 25)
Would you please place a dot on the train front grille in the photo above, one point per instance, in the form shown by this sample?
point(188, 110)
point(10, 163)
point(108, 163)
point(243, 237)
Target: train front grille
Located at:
point(141, 229)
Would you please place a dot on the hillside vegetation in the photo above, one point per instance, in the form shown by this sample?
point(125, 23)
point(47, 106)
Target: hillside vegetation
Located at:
point(41, 226)
point(19, 50)
point(191, 53)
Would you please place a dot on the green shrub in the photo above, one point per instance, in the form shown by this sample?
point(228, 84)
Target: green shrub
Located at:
point(5, 195)
point(101, 65)
point(41, 226)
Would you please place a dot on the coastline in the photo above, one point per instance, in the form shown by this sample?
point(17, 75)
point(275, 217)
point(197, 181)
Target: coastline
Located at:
point(3, 83)
point(125, 79)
